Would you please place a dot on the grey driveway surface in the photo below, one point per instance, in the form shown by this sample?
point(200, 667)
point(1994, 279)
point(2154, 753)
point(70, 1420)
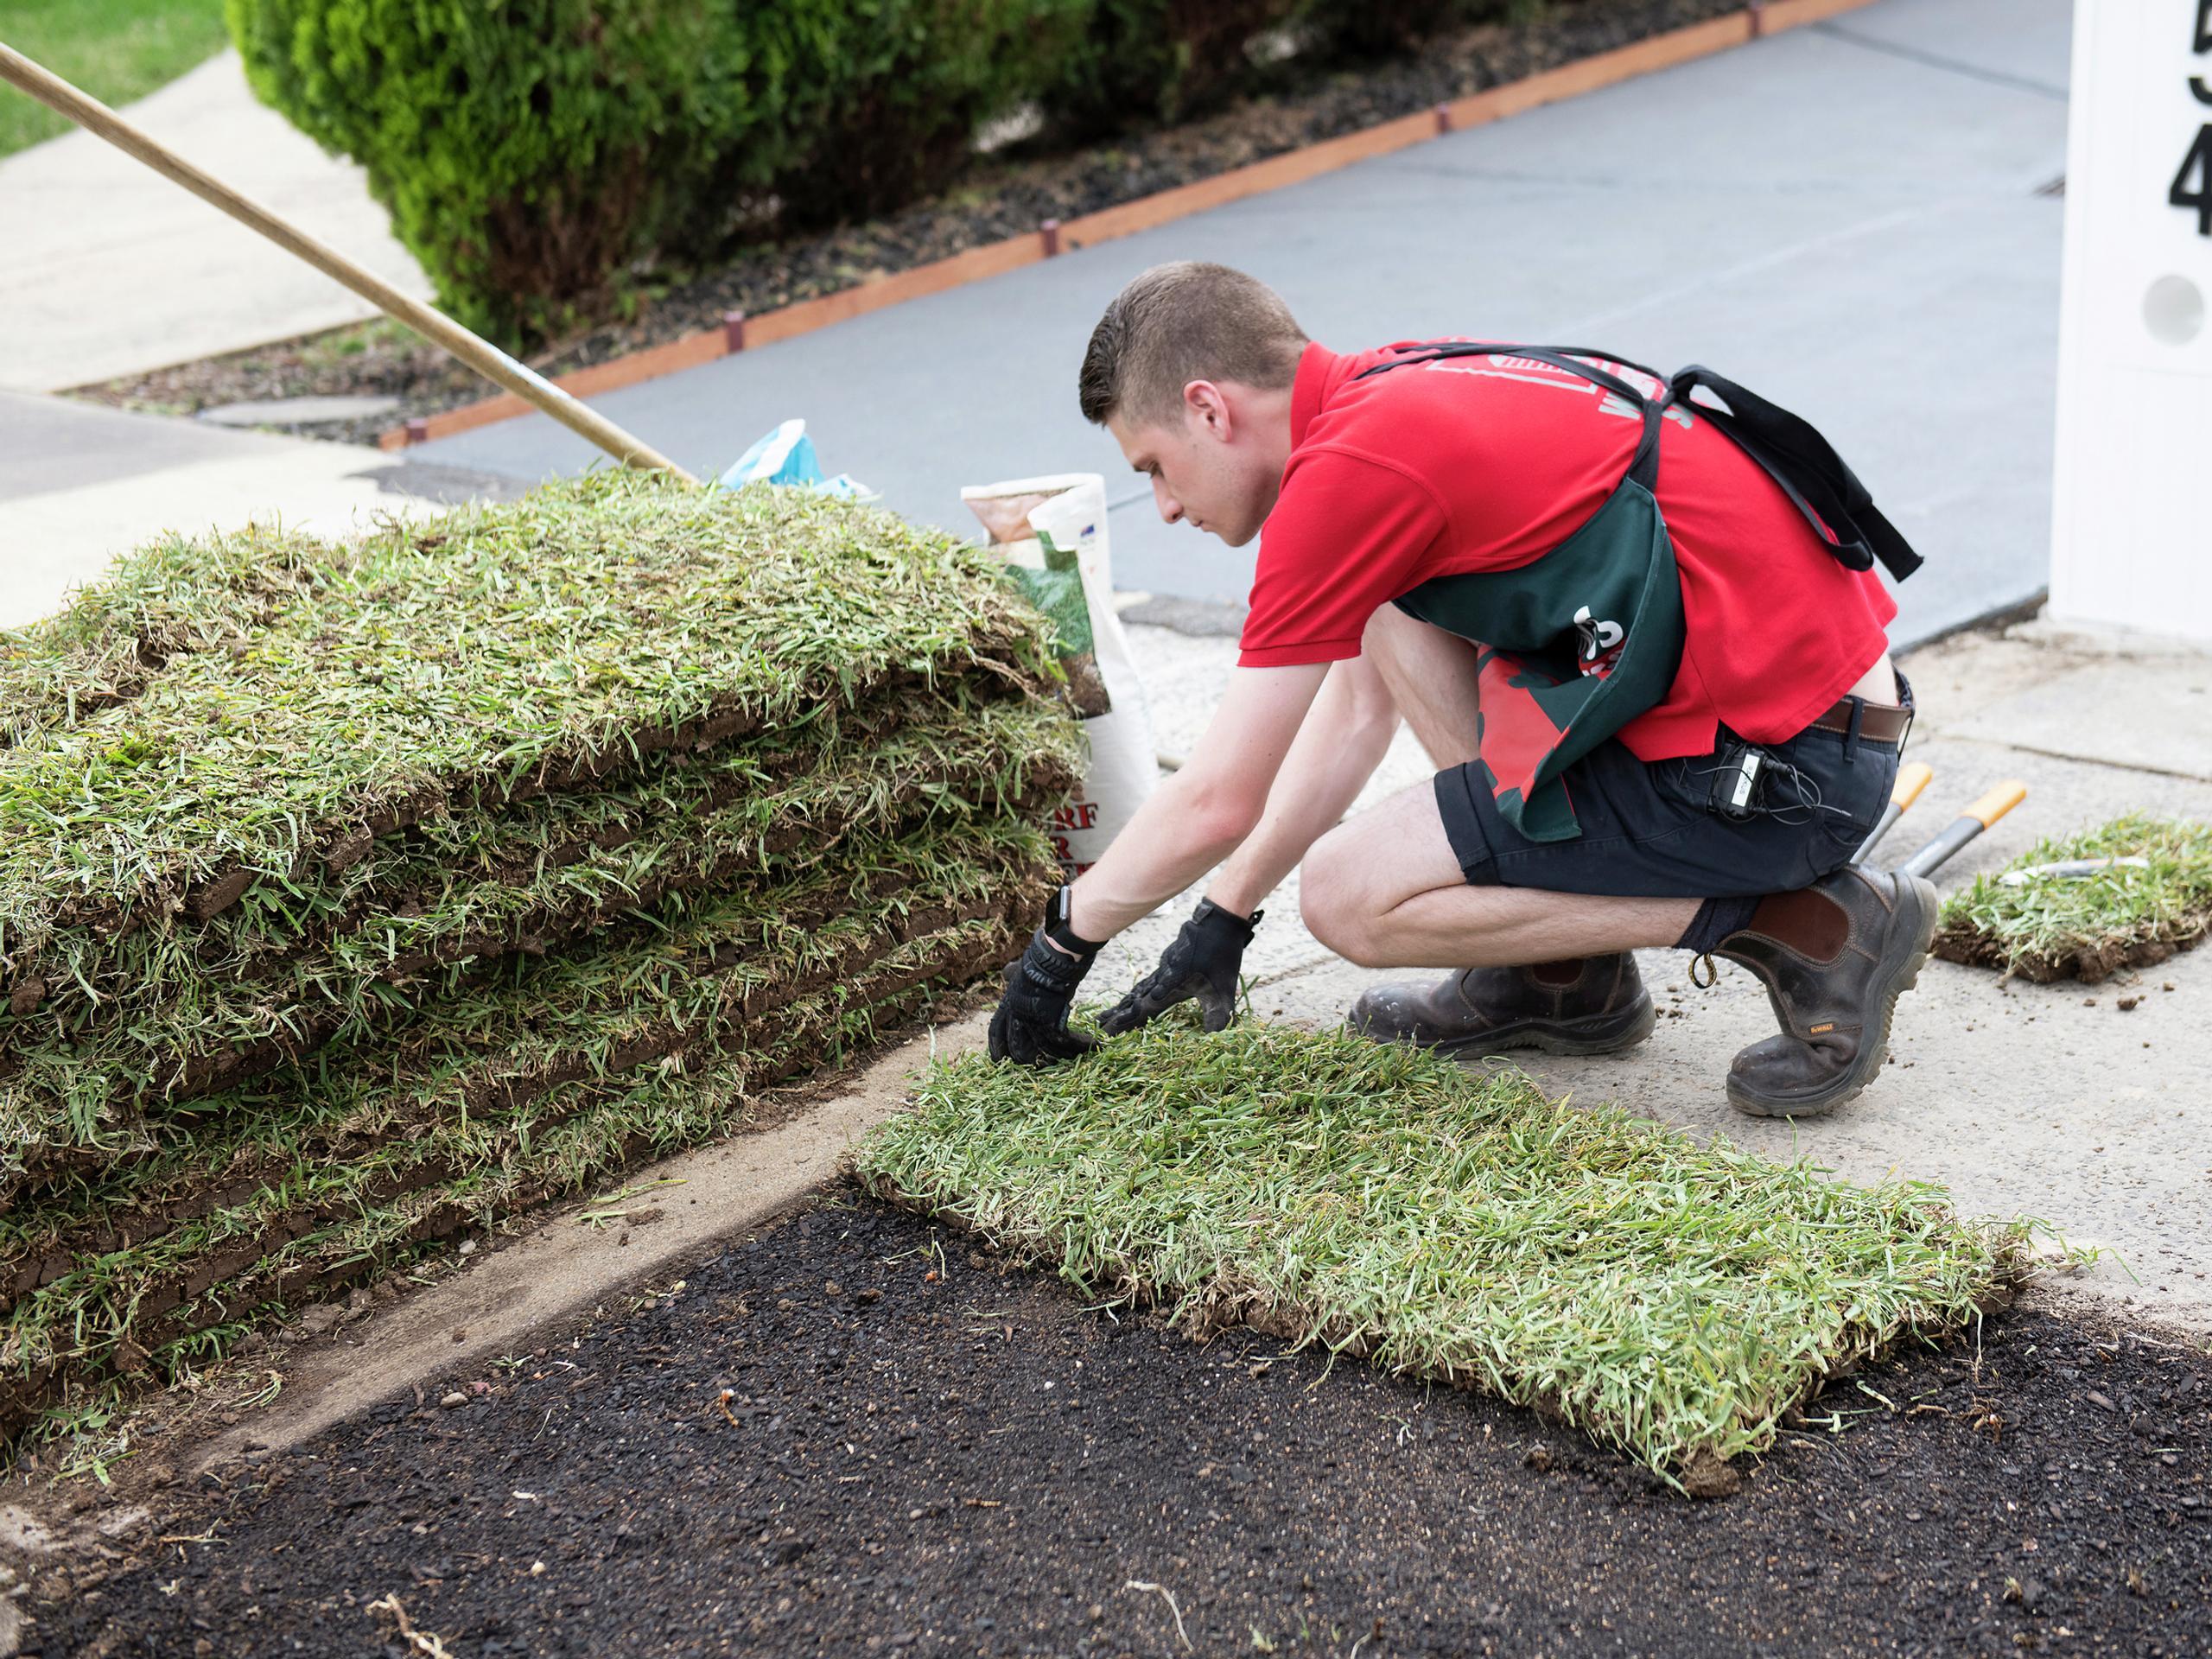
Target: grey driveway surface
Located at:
point(1852, 218)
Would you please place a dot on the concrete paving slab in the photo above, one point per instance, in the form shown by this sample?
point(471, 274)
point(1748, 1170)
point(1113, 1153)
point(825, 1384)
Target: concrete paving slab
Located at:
point(296, 412)
point(2028, 46)
point(109, 268)
point(1854, 232)
point(2112, 714)
point(53, 443)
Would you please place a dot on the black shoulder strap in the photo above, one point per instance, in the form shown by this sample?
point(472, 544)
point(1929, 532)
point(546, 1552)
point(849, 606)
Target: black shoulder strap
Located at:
point(1788, 447)
point(1807, 468)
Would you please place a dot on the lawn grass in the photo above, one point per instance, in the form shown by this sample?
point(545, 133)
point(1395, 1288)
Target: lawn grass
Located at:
point(679, 973)
point(1671, 1297)
point(512, 649)
point(181, 1010)
point(170, 597)
point(116, 50)
point(2090, 928)
point(151, 1309)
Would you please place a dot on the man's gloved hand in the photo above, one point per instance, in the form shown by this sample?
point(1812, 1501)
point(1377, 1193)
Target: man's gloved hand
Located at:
point(1031, 1026)
point(1202, 962)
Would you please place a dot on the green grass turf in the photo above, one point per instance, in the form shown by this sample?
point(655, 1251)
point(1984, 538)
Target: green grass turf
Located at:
point(512, 648)
point(687, 966)
point(116, 50)
point(182, 1015)
point(157, 1307)
point(2091, 927)
point(691, 988)
point(173, 596)
point(1671, 1298)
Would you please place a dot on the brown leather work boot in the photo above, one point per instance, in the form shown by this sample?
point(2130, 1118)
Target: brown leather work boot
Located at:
point(1834, 958)
point(1592, 1005)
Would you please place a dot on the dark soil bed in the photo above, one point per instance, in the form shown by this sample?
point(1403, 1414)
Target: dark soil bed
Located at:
point(1005, 195)
point(851, 1435)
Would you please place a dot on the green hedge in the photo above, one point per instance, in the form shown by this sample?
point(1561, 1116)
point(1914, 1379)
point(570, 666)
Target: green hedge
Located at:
point(535, 155)
point(533, 152)
point(530, 150)
point(1138, 60)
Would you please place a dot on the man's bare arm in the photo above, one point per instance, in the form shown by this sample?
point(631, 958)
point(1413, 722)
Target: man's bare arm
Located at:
point(1337, 751)
point(1202, 814)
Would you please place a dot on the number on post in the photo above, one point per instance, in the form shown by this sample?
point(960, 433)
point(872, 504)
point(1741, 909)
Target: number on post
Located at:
point(2198, 161)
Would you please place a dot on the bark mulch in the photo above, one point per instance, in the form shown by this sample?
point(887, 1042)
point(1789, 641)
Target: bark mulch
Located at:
point(1008, 193)
point(924, 1451)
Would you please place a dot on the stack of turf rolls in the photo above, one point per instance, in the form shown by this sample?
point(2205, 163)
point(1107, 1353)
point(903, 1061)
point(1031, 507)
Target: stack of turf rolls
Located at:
point(354, 896)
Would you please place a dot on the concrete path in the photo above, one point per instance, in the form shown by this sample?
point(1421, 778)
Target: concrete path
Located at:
point(1845, 217)
point(106, 268)
point(79, 485)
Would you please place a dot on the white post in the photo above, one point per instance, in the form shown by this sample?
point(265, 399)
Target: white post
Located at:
point(2131, 490)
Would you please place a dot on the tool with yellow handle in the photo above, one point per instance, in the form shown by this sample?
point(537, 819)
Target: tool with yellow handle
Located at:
point(1912, 779)
point(1964, 827)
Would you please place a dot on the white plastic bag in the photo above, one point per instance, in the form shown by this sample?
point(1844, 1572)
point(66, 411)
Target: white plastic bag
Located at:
point(1036, 524)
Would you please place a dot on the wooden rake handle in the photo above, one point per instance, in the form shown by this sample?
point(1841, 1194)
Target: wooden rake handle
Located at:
point(479, 354)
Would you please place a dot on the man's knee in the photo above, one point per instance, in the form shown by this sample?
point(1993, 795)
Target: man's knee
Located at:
point(1335, 907)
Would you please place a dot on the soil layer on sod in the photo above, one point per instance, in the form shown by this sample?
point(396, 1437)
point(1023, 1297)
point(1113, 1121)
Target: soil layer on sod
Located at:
point(928, 1450)
point(1673, 1298)
point(2092, 927)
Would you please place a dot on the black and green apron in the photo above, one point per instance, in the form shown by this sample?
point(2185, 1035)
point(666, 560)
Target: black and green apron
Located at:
point(1580, 641)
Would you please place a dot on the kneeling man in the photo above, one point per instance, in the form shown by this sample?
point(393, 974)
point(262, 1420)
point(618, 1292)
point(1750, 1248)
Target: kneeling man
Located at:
point(1634, 627)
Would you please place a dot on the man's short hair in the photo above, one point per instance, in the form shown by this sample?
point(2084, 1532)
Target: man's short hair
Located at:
point(1181, 323)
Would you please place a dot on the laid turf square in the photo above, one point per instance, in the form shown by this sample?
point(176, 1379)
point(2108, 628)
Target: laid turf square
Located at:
point(2091, 927)
point(1672, 1298)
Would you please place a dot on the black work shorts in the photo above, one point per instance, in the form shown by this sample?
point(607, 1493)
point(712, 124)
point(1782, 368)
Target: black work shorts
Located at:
point(1648, 831)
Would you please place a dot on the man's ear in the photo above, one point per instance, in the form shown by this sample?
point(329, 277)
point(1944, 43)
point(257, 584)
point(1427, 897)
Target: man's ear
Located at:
point(1206, 412)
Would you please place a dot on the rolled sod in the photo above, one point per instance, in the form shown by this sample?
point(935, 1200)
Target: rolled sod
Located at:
point(209, 1006)
point(515, 648)
point(2091, 927)
point(147, 1310)
point(1671, 1298)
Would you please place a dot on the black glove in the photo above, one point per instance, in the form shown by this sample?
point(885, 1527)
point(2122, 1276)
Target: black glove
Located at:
point(1031, 1026)
point(1201, 962)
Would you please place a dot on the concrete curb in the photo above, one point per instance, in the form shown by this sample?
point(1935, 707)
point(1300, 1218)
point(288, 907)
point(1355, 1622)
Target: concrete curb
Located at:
point(739, 332)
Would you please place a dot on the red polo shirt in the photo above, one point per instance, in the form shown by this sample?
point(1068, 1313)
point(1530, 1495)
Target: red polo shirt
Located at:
point(1489, 462)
